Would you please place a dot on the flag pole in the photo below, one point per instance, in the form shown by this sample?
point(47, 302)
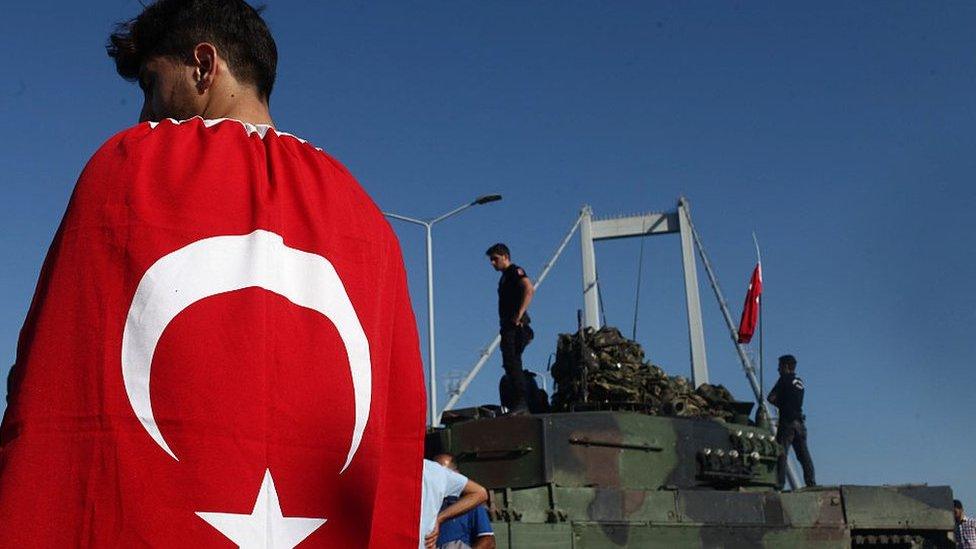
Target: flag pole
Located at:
point(762, 371)
point(762, 386)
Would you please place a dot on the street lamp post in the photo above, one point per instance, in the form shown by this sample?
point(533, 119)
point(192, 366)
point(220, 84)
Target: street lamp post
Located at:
point(428, 224)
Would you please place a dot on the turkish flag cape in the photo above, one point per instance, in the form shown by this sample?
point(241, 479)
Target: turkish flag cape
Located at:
point(750, 311)
point(220, 351)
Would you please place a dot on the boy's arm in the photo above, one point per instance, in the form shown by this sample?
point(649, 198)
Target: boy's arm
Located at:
point(472, 496)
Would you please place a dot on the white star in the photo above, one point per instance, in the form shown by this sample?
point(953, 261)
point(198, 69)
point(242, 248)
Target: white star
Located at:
point(265, 527)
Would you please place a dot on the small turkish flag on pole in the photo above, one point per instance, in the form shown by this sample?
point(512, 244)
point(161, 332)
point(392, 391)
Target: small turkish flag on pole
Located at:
point(750, 311)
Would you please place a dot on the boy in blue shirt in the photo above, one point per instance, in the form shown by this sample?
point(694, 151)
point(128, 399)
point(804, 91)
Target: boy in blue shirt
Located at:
point(470, 530)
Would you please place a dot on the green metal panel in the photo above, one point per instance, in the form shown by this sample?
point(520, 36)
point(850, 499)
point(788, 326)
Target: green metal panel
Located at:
point(700, 506)
point(610, 449)
point(529, 504)
point(504, 452)
point(805, 508)
point(892, 507)
point(716, 536)
point(616, 505)
point(605, 535)
point(807, 538)
point(602, 535)
point(635, 535)
point(539, 536)
point(501, 534)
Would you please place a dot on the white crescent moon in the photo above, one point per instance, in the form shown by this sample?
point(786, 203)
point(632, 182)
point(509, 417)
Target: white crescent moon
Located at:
point(223, 264)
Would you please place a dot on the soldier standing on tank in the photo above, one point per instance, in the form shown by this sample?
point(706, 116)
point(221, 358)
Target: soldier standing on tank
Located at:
point(515, 292)
point(787, 396)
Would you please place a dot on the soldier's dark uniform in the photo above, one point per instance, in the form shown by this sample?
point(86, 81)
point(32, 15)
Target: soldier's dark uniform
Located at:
point(787, 395)
point(514, 336)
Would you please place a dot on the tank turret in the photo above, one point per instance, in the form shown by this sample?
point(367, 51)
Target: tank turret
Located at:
point(609, 449)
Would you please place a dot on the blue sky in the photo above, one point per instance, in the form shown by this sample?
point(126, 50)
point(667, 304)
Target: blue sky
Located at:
point(842, 134)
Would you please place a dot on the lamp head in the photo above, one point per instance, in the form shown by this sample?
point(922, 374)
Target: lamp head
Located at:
point(487, 198)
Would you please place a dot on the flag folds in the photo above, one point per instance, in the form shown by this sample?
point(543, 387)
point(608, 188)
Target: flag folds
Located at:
point(750, 311)
point(220, 351)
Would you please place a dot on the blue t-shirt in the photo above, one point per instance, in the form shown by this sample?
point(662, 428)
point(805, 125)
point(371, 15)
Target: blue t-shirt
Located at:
point(466, 527)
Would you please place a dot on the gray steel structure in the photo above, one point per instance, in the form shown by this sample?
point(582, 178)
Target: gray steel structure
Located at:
point(649, 224)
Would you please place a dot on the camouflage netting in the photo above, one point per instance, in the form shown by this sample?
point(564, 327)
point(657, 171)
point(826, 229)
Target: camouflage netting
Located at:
point(602, 369)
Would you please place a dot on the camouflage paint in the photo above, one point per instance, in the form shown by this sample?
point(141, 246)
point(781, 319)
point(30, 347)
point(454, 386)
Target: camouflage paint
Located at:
point(606, 479)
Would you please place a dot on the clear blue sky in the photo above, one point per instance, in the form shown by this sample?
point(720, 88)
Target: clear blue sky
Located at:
point(843, 134)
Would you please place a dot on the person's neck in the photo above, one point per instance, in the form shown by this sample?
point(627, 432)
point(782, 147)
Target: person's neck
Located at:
point(240, 106)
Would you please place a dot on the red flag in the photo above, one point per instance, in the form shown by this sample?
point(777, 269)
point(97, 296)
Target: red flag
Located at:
point(750, 311)
point(220, 351)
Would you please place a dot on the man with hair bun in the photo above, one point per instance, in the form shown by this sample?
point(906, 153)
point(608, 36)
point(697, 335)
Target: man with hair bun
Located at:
point(791, 431)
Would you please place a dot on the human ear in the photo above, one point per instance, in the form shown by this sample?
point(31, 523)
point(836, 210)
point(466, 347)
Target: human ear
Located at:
point(205, 59)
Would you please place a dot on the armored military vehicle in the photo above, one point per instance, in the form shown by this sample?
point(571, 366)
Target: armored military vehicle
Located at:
point(635, 458)
point(628, 456)
point(614, 478)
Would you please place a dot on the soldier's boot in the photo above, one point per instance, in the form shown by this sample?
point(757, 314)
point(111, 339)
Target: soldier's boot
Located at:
point(519, 410)
point(520, 404)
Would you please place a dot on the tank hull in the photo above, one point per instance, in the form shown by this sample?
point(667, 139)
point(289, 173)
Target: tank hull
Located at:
point(828, 517)
point(605, 479)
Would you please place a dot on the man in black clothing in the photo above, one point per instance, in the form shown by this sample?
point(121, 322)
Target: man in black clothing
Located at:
point(787, 395)
point(515, 292)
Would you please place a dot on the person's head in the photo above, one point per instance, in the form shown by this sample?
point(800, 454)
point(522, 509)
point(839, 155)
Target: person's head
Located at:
point(787, 364)
point(446, 460)
point(195, 57)
point(499, 256)
point(957, 510)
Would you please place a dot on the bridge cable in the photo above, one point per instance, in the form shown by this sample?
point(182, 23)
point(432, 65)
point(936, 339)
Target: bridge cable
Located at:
point(640, 271)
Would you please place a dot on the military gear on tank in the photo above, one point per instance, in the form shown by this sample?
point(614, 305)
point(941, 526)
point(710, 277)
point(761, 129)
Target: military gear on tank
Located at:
point(604, 370)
